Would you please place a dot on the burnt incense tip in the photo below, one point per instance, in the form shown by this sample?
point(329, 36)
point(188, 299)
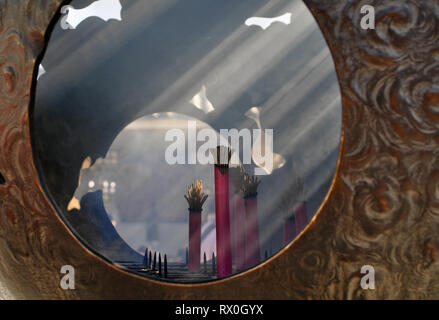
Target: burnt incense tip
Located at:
point(250, 186)
point(195, 196)
point(222, 156)
point(237, 177)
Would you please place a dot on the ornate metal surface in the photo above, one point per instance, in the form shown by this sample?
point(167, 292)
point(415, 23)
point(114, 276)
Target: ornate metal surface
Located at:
point(383, 208)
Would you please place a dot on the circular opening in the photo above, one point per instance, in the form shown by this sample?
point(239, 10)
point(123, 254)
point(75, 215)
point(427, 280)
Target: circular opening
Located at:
point(186, 141)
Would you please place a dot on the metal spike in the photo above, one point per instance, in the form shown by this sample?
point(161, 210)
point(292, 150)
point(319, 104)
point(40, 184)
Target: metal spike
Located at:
point(160, 265)
point(166, 266)
point(145, 258)
point(213, 263)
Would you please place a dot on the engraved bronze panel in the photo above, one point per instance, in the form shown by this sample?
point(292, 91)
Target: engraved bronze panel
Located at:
point(382, 209)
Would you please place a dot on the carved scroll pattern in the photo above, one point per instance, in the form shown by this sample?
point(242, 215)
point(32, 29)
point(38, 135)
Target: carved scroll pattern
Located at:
point(383, 209)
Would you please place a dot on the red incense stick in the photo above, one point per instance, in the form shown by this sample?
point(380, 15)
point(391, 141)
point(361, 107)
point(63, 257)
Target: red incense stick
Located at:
point(300, 216)
point(195, 198)
point(236, 176)
point(252, 248)
point(289, 230)
point(222, 213)
point(239, 231)
point(294, 194)
point(194, 240)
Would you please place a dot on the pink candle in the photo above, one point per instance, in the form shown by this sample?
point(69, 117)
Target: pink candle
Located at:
point(239, 231)
point(222, 214)
point(300, 216)
point(252, 250)
point(194, 240)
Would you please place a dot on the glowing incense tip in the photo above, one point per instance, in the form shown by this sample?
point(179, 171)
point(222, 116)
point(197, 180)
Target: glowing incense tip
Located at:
point(195, 196)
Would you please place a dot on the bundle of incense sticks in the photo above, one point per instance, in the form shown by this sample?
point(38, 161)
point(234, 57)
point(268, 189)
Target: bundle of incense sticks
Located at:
point(195, 198)
point(222, 211)
point(252, 249)
point(237, 179)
